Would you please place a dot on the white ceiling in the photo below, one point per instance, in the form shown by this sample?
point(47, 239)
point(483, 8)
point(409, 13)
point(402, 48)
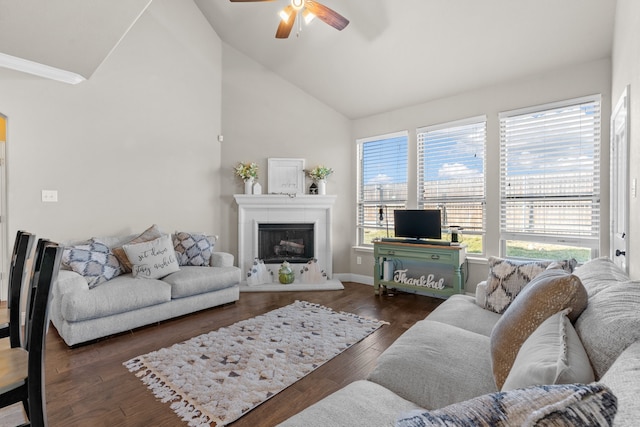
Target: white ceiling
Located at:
point(394, 53)
point(73, 35)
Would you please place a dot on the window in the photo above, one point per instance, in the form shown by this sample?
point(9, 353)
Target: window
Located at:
point(382, 184)
point(550, 180)
point(451, 176)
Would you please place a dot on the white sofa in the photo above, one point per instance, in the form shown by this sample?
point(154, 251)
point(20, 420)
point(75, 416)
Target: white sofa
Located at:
point(441, 371)
point(82, 313)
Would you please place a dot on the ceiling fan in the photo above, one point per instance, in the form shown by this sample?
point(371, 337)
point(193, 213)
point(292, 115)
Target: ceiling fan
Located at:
point(309, 9)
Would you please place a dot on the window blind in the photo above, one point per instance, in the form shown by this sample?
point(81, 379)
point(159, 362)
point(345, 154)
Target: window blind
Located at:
point(382, 183)
point(550, 173)
point(451, 172)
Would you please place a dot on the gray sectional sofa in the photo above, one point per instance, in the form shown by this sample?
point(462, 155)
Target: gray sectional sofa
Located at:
point(581, 328)
point(83, 310)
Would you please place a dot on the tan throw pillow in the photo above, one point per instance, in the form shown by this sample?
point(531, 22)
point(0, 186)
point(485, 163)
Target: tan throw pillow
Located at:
point(553, 354)
point(548, 293)
point(507, 278)
point(147, 235)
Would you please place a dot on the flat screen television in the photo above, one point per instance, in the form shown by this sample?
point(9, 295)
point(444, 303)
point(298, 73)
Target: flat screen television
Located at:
point(417, 224)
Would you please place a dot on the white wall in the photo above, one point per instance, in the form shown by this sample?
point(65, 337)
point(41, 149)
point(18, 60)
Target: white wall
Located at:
point(132, 146)
point(626, 71)
point(585, 79)
point(265, 116)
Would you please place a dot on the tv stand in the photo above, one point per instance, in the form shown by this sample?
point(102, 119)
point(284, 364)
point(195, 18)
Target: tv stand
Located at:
point(416, 241)
point(424, 266)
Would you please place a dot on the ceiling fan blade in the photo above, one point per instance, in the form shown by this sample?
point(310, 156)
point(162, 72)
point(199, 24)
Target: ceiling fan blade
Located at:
point(326, 15)
point(284, 29)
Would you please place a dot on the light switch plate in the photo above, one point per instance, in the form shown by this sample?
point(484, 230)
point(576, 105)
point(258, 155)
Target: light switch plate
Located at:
point(49, 195)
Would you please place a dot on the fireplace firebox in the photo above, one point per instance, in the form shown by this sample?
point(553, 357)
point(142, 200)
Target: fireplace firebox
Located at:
point(291, 242)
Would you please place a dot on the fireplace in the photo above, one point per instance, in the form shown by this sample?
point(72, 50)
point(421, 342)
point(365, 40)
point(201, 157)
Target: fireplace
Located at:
point(291, 242)
point(299, 229)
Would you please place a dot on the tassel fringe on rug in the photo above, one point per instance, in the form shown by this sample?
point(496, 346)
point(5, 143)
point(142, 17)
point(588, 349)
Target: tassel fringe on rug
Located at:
point(215, 378)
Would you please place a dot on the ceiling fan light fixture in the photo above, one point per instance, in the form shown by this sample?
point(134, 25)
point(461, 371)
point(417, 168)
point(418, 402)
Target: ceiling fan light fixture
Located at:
point(308, 16)
point(297, 4)
point(284, 15)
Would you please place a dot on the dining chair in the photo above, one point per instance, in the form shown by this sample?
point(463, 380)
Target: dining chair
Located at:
point(22, 372)
point(33, 283)
point(21, 255)
point(4, 313)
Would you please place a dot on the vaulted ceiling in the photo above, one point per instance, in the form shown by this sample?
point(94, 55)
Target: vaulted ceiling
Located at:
point(394, 53)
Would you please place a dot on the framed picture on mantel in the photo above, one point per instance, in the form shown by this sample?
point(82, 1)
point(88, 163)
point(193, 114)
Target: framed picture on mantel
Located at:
point(286, 176)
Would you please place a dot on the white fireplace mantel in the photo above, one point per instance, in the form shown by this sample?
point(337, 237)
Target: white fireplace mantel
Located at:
point(281, 208)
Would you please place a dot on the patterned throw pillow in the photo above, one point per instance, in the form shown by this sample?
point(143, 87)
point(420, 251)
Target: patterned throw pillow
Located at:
point(152, 260)
point(508, 277)
point(193, 249)
point(147, 235)
point(93, 260)
point(567, 405)
point(548, 293)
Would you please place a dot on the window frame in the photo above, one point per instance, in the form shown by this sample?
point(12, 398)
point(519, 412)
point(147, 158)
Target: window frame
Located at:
point(459, 199)
point(589, 241)
point(361, 204)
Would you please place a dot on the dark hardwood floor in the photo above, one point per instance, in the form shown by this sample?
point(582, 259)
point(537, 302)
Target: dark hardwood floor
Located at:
point(89, 386)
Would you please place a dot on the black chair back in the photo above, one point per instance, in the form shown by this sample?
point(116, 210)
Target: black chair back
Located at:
point(37, 326)
point(33, 282)
point(23, 247)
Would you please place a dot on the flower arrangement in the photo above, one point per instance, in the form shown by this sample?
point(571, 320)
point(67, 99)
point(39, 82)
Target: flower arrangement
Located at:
point(319, 173)
point(247, 171)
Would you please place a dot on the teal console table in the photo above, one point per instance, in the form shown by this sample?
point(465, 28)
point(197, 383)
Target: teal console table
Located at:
point(434, 269)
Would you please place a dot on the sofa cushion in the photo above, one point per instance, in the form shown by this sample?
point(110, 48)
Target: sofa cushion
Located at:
point(623, 378)
point(93, 260)
point(152, 260)
point(610, 323)
point(547, 294)
point(553, 354)
point(507, 277)
point(193, 248)
point(548, 405)
point(119, 295)
point(600, 273)
point(434, 364)
point(196, 280)
point(463, 312)
point(361, 403)
point(147, 235)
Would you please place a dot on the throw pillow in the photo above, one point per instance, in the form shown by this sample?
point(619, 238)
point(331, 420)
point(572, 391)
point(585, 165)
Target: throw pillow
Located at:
point(154, 259)
point(508, 277)
point(93, 260)
point(147, 235)
point(565, 405)
point(610, 324)
point(548, 293)
point(193, 249)
point(553, 354)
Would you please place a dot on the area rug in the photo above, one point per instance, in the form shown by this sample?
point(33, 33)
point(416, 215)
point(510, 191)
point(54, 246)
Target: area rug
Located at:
point(215, 378)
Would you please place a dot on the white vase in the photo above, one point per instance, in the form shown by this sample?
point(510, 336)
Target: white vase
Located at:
point(257, 188)
point(248, 186)
point(322, 187)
